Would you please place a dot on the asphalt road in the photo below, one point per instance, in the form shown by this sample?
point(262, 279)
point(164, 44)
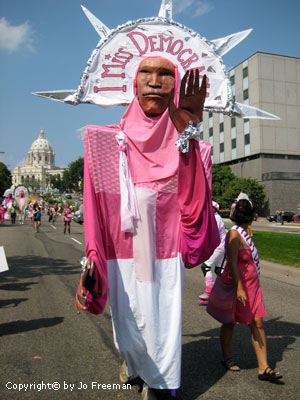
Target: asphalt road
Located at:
point(43, 342)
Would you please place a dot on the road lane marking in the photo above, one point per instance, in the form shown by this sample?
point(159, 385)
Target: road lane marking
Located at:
point(53, 226)
point(77, 241)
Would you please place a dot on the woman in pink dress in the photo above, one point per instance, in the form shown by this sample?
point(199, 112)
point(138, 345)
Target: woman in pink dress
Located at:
point(242, 270)
point(30, 212)
point(67, 218)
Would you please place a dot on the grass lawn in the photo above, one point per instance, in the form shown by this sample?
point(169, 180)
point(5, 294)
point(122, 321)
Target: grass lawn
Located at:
point(282, 248)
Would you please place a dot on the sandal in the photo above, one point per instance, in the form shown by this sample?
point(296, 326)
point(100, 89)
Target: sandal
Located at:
point(269, 375)
point(230, 365)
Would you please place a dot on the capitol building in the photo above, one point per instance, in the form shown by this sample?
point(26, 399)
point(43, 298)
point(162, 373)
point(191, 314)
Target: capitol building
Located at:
point(40, 165)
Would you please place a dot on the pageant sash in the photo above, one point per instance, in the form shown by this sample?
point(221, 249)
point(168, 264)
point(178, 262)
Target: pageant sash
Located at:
point(250, 243)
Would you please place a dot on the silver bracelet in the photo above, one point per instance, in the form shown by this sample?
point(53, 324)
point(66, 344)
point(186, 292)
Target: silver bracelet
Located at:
point(83, 263)
point(192, 131)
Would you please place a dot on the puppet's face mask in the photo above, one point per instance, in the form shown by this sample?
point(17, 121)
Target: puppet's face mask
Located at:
point(155, 85)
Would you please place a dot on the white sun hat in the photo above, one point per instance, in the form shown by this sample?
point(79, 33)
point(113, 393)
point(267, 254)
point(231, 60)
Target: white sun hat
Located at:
point(216, 205)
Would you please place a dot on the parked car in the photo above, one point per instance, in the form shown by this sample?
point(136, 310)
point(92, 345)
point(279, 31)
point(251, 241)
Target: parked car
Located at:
point(78, 216)
point(68, 196)
point(287, 217)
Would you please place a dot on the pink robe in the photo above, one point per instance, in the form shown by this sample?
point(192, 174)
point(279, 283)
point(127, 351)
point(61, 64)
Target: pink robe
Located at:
point(143, 271)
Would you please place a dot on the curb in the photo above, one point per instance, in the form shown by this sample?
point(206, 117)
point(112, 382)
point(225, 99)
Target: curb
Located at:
point(283, 273)
point(280, 268)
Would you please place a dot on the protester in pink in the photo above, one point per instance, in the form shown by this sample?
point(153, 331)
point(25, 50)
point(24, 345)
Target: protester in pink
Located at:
point(67, 218)
point(7, 203)
point(147, 214)
point(242, 270)
point(21, 203)
point(30, 212)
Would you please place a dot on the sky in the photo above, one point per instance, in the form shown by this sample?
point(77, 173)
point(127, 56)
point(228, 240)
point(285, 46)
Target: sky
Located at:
point(45, 45)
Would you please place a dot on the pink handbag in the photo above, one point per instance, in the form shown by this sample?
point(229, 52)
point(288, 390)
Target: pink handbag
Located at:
point(222, 300)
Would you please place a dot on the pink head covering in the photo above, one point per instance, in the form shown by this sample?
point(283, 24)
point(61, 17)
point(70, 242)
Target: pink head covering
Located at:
point(152, 153)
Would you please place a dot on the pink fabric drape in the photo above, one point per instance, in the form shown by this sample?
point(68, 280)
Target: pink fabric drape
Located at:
point(205, 151)
point(152, 157)
point(152, 154)
point(94, 244)
point(200, 235)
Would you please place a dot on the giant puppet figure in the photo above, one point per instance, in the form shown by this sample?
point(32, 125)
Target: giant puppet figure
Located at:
point(147, 202)
point(144, 223)
point(21, 202)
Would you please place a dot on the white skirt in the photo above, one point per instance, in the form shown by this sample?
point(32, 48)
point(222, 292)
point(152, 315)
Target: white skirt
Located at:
point(146, 319)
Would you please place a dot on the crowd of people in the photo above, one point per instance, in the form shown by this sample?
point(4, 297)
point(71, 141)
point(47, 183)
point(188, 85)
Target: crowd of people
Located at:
point(18, 205)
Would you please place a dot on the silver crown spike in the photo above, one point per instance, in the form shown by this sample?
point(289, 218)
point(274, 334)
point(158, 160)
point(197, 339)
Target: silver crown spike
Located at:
point(222, 46)
point(63, 96)
point(166, 9)
point(102, 30)
point(245, 111)
point(225, 44)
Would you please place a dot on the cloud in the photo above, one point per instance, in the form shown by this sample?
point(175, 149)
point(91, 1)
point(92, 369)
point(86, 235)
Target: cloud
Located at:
point(14, 38)
point(80, 132)
point(195, 8)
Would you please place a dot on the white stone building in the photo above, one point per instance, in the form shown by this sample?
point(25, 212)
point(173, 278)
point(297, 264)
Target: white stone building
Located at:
point(266, 150)
point(40, 164)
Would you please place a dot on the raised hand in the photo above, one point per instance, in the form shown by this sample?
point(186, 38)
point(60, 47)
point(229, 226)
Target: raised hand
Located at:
point(80, 293)
point(191, 101)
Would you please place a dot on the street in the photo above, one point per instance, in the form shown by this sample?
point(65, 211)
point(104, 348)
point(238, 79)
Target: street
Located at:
point(262, 224)
point(64, 355)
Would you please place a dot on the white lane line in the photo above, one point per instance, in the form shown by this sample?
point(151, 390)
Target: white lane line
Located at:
point(77, 241)
point(54, 227)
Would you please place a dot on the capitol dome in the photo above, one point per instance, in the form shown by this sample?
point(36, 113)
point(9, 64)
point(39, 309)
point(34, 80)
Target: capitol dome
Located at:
point(41, 153)
point(41, 143)
point(40, 166)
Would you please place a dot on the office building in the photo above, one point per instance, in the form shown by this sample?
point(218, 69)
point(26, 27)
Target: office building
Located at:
point(266, 150)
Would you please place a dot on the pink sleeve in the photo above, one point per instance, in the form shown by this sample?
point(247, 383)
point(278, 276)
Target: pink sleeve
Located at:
point(199, 231)
point(205, 149)
point(94, 234)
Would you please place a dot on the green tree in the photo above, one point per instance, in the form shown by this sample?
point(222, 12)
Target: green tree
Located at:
point(226, 187)
point(33, 183)
point(56, 182)
point(73, 176)
point(221, 178)
point(250, 186)
point(5, 178)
